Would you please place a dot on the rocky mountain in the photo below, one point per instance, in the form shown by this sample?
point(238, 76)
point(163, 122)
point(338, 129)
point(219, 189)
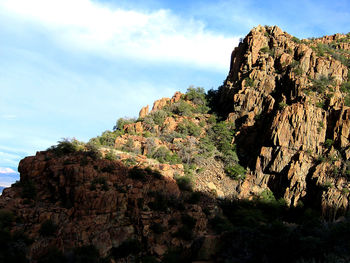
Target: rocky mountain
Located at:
point(255, 171)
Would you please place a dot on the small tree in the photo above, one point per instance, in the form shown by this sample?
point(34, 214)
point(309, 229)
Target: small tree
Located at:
point(121, 122)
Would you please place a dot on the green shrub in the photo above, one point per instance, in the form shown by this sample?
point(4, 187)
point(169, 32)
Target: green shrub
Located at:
point(282, 105)
point(148, 123)
point(169, 137)
point(48, 228)
point(93, 151)
point(345, 191)
point(347, 100)
point(221, 135)
point(159, 117)
point(185, 183)
point(321, 104)
point(107, 138)
point(296, 40)
point(187, 127)
point(196, 95)
point(155, 118)
point(328, 143)
point(121, 122)
point(265, 49)
point(298, 71)
point(249, 82)
point(67, 146)
point(110, 156)
point(236, 171)
point(130, 147)
point(130, 161)
point(321, 84)
point(321, 159)
point(345, 87)
point(206, 147)
point(163, 155)
point(337, 54)
point(327, 185)
point(182, 108)
point(295, 64)
point(212, 119)
point(267, 196)
point(189, 169)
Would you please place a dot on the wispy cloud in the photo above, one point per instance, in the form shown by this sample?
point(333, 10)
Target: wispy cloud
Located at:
point(9, 159)
point(300, 18)
point(6, 170)
point(8, 117)
point(157, 36)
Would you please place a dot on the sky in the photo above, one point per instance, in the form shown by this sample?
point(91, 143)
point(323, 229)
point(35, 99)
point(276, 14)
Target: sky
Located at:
point(72, 68)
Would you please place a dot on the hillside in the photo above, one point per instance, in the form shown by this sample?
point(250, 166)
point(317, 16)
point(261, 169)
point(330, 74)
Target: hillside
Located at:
point(238, 174)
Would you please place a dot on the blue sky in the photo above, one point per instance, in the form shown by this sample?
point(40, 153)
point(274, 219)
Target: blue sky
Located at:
point(72, 68)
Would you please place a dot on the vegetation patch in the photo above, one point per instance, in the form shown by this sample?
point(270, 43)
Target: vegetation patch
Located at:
point(185, 183)
point(249, 82)
point(321, 84)
point(187, 127)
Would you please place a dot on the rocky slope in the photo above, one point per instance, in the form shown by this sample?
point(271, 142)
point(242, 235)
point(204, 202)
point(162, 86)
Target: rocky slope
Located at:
point(172, 185)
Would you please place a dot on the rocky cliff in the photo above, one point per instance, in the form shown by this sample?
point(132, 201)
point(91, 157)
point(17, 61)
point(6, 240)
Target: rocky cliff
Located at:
point(289, 100)
point(239, 174)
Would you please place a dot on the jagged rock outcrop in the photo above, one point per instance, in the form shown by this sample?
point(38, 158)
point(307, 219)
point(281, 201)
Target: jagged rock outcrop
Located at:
point(285, 97)
point(144, 112)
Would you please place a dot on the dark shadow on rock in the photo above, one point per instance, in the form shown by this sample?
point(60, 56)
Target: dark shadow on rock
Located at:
point(156, 212)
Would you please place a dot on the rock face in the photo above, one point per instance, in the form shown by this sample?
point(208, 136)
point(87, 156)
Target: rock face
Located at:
point(100, 202)
point(286, 99)
point(144, 112)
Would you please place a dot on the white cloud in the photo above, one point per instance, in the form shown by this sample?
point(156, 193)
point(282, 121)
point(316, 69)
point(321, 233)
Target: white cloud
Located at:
point(9, 159)
point(159, 35)
point(5, 170)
